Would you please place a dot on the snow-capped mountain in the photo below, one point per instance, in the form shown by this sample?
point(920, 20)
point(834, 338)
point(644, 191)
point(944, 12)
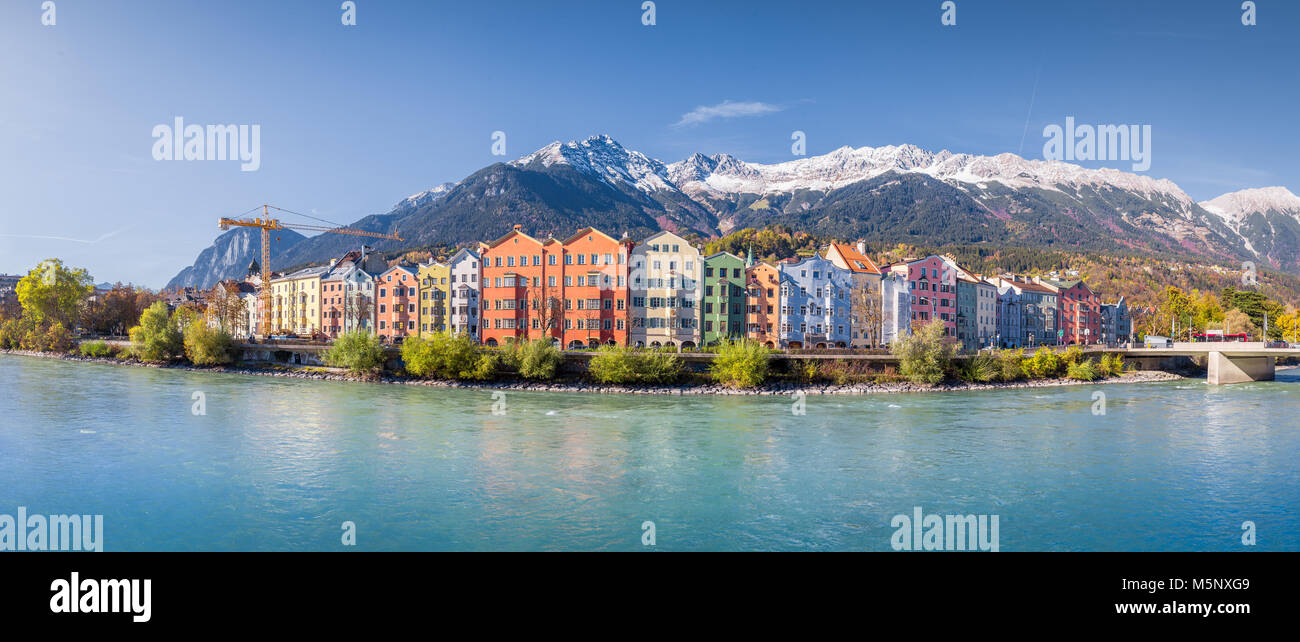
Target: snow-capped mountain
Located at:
point(424, 198)
point(1233, 207)
point(605, 157)
point(844, 166)
point(894, 194)
point(1268, 218)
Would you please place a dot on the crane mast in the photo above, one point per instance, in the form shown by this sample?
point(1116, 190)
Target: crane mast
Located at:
point(266, 224)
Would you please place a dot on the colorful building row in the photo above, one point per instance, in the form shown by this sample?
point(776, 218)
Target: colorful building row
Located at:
point(592, 289)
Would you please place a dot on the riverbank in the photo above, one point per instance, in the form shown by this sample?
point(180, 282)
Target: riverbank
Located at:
point(770, 388)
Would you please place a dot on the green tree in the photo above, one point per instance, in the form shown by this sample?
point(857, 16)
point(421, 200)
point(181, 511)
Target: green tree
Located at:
point(1045, 364)
point(54, 293)
point(621, 364)
point(207, 346)
point(538, 359)
point(359, 351)
point(156, 338)
point(925, 355)
point(447, 356)
point(740, 364)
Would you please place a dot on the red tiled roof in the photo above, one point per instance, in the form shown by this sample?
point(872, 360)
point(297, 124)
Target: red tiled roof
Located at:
point(855, 260)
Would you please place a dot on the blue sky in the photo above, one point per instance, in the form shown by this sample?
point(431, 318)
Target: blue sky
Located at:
point(354, 118)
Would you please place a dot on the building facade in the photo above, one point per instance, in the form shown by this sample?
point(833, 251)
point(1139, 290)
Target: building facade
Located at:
point(348, 293)
point(434, 286)
point(932, 283)
point(815, 304)
point(1116, 325)
point(396, 298)
point(1009, 314)
point(296, 301)
point(594, 273)
point(1038, 311)
point(866, 298)
point(722, 315)
point(1078, 311)
point(514, 277)
point(463, 293)
point(666, 292)
point(895, 307)
point(763, 312)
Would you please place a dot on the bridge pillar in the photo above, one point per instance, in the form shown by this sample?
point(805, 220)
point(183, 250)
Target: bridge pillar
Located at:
point(1223, 369)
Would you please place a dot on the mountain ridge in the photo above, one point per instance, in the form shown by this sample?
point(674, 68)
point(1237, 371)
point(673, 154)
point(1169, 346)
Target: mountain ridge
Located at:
point(899, 193)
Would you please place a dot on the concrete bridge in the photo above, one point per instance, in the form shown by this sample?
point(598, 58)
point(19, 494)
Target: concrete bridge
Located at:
point(1227, 362)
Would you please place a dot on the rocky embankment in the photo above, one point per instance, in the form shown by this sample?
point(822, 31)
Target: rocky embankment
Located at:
point(771, 388)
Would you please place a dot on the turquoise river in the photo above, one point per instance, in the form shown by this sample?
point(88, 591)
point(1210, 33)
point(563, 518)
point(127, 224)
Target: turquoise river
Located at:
point(281, 464)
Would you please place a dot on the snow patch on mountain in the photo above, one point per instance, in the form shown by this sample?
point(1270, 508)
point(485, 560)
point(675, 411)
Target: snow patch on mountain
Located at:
point(604, 157)
point(848, 165)
point(1233, 207)
point(424, 198)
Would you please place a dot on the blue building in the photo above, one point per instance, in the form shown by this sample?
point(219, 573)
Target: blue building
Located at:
point(816, 304)
point(1009, 316)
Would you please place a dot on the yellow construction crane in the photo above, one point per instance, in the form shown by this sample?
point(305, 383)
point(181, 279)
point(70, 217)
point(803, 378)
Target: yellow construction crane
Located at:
point(266, 223)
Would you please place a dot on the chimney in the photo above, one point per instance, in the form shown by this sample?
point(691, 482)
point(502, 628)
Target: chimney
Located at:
point(862, 247)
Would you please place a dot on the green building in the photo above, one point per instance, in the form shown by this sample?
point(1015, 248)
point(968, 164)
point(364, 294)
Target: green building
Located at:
point(722, 315)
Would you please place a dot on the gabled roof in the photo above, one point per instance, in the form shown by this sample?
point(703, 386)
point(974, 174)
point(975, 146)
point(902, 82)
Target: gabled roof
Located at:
point(588, 230)
point(457, 256)
point(717, 254)
point(660, 233)
point(1064, 284)
point(305, 273)
point(854, 260)
point(1033, 287)
point(512, 233)
point(405, 268)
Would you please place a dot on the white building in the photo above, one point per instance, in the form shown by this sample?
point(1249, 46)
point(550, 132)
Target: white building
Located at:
point(895, 306)
point(463, 317)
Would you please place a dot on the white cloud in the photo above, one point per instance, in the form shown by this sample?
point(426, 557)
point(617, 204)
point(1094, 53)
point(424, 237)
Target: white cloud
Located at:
point(725, 109)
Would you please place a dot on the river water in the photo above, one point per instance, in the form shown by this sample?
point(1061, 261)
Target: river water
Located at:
point(281, 464)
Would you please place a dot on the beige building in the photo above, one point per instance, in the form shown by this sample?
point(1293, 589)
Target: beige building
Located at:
point(296, 301)
point(665, 289)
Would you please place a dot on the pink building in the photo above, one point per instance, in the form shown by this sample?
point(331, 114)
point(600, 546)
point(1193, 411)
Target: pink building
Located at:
point(932, 286)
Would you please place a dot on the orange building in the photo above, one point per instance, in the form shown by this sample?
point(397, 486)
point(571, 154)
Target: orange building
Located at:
point(516, 305)
point(594, 286)
point(395, 300)
point(763, 304)
point(573, 292)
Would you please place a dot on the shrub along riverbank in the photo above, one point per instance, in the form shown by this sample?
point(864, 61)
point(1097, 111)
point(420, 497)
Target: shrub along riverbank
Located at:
point(926, 360)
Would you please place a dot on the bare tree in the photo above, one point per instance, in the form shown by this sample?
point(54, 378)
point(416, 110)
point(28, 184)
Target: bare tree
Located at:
point(866, 311)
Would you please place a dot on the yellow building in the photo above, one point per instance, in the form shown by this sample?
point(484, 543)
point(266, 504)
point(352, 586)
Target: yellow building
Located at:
point(434, 281)
point(296, 301)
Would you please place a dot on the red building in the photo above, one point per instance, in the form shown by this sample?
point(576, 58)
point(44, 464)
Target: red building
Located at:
point(395, 301)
